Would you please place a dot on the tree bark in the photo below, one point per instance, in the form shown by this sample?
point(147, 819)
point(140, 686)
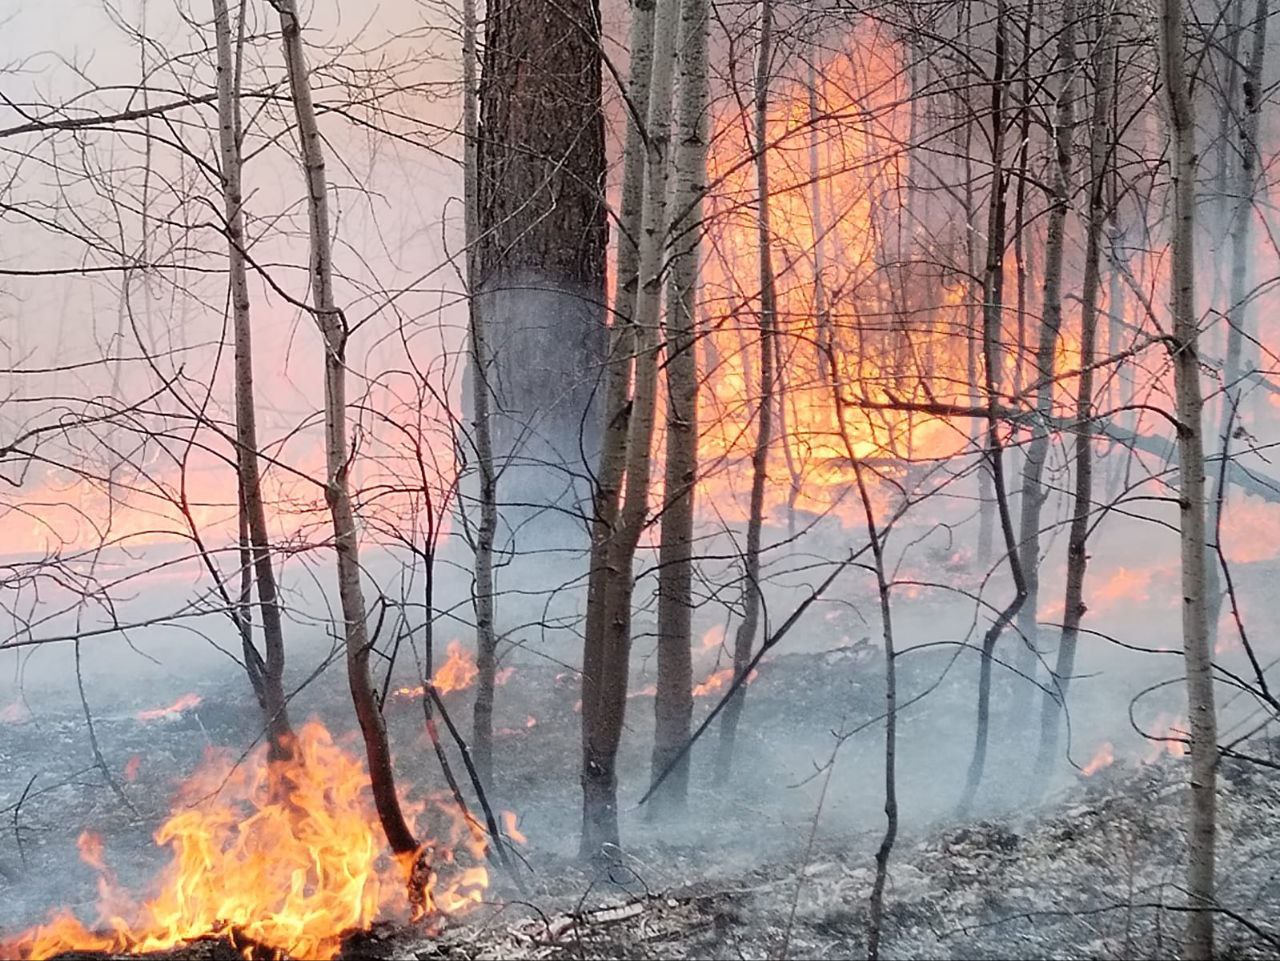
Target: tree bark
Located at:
point(1198, 654)
point(271, 677)
point(745, 638)
point(542, 243)
point(673, 703)
point(333, 328)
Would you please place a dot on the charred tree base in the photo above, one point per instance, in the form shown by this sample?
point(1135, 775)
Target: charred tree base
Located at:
point(600, 837)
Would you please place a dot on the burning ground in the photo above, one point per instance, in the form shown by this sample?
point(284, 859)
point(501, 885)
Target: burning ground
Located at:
point(750, 873)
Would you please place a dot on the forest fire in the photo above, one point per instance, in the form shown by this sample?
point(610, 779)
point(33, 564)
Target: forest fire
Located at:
point(282, 860)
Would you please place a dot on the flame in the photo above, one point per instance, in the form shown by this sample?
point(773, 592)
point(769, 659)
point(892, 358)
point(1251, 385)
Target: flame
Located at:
point(530, 721)
point(286, 859)
point(713, 638)
point(14, 713)
point(457, 673)
point(132, 766)
point(90, 846)
point(183, 704)
point(1103, 758)
point(501, 677)
point(714, 683)
point(1169, 734)
point(511, 829)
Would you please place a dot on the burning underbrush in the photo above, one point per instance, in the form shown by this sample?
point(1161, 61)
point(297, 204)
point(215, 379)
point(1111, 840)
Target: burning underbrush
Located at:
point(281, 859)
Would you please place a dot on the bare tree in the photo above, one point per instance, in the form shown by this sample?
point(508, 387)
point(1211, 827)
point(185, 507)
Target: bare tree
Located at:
point(267, 673)
point(749, 626)
point(333, 327)
point(607, 645)
point(1202, 824)
point(673, 701)
point(480, 366)
point(1100, 147)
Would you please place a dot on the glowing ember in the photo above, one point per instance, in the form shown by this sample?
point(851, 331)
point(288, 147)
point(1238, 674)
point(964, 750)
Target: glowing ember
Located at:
point(530, 721)
point(183, 704)
point(131, 767)
point(501, 677)
point(1104, 758)
point(285, 859)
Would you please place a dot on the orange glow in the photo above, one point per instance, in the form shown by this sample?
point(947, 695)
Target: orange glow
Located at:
point(181, 705)
point(1124, 585)
point(501, 677)
point(457, 673)
point(713, 638)
point(1170, 733)
point(510, 827)
point(131, 767)
point(888, 336)
point(530, 721)
point(14, 713)
point(285, 859)
point(1104, 757)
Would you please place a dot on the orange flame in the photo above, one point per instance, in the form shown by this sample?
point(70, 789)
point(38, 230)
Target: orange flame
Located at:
point(286, 858)
point(131, 767)
point(1169, 733)
point(1103, 758)
point(511, 828)
point(181, 705)
point(458, 672)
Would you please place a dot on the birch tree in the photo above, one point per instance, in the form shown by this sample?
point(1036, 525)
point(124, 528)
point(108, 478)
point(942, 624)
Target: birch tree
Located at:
point(607, 645)
point(673, 702)
point(1197, 652)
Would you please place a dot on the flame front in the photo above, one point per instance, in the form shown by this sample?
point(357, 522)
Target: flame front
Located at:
point(283, 859)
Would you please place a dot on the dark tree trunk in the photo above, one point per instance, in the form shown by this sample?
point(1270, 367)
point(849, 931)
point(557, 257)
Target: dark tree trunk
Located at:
point(543, 236)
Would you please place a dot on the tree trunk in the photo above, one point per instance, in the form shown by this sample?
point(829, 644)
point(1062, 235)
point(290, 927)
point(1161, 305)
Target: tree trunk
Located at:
point(333, 328)
point(271, 679)
point(480, 364)
point(992, 315)
point(1195, 629)
point(542, 244)
point(1077, 541)
point(607, 646)
point(750, 624)
point(673, 703)
point(1034, 493)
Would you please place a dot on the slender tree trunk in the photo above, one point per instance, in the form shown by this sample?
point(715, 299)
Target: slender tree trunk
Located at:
point(333, 328)
point(992, 314)
point(1195, 629)
point(607, 652)
point(750, 624)
point(673, 704)
point(1034, 493)
point(876, 912)
point(274, 705)
point(1077, 556)
point(483, 587)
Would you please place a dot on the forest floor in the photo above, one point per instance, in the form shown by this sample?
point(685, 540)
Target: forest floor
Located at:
point(777, 862)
